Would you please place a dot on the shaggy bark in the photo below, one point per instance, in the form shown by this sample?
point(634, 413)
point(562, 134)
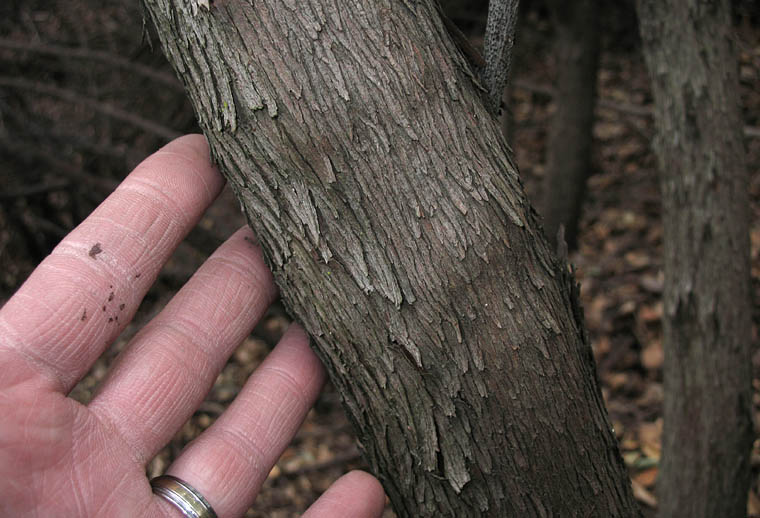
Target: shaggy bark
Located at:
point(708, 429)
point(397, 229)
point(570, 136)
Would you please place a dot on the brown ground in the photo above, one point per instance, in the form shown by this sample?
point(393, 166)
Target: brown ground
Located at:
point(73, 154)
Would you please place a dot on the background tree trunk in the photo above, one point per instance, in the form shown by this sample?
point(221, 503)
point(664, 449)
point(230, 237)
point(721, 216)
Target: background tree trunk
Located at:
point(396, 226)
point(568, 164)
point(708, 430)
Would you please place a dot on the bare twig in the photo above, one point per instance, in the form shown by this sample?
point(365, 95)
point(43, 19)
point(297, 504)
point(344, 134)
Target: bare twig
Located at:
point(44, 130)
point(627, 108)
point(33, 190)
point(535, 88)
point(211, 408)
point(751, 131)
point(35, 152)
point(339, 459)
point(500, 37)
point(93, 55)
point(101, 107)
point(35, 222)
point(320, 433)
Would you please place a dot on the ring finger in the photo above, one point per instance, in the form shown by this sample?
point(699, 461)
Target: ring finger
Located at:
point(229, 462)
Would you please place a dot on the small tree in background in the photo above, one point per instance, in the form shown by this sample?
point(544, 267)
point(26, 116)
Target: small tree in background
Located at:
point(707, 318)
point(576, 48)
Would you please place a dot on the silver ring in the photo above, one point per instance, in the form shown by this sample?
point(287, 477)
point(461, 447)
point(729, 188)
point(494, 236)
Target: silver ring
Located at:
point(183, 496)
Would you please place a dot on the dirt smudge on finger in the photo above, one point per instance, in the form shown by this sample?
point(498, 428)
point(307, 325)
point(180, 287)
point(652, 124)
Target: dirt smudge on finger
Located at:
point(95, 250)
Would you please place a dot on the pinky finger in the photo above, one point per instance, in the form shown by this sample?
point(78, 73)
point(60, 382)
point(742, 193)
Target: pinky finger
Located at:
point(354, 495)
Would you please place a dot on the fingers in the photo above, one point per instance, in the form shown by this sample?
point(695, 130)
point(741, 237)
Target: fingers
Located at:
point(171, 364)
point(228, 463)
point(355, 495)
point(78, 300)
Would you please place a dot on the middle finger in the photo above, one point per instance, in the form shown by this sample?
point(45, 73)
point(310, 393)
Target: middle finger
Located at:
point(170, 365)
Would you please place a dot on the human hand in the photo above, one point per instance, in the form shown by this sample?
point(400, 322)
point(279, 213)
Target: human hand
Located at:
point(61, 458)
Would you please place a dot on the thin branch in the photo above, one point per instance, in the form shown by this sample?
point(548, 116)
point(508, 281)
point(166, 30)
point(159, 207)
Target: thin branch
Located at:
point(93, 55)
point(463, 42)
point(535, 88)
point(339, 459)
point(35, 222)
point(627, 108)
point(500, 38)
point(101, 107)
point(33, 190)
point(29, 152)
point(321, 433)
point(42, 129)
point(751, 131)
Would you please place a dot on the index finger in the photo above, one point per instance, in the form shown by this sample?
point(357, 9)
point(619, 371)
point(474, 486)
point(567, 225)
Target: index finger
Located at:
point(81, 296)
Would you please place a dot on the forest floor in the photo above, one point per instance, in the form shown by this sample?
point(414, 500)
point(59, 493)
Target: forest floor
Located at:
point(619, 266)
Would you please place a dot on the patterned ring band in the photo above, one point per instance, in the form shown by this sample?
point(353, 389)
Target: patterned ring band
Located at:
point(183, 495)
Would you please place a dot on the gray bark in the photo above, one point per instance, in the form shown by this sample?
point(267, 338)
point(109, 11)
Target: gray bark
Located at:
point(499, 40)
point(708, 430)
point(392, 216)
point(568, 162)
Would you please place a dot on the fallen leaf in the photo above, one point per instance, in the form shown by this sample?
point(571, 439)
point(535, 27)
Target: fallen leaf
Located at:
point(753, 503)
point(637, 259)
point(641, 494)
point(754, 236)
point(652, 355)
point(627, 308)
point(650, 313)
point(652, 283)
point(630, 148)
point(643, 463)
point(616, 380)
point(608, 130)
point(646, 477)
point(601, 347)
point(650, 435)
point(652, 396)
point(596, 310)
point(630, 457)
point(629, 443)
point(275, 472)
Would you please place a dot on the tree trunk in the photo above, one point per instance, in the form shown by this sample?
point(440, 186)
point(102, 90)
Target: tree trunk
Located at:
point(576, 48)
point(397, 229)
point(708, 430)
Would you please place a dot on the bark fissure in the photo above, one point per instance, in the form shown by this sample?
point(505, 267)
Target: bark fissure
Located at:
point(392, 216)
